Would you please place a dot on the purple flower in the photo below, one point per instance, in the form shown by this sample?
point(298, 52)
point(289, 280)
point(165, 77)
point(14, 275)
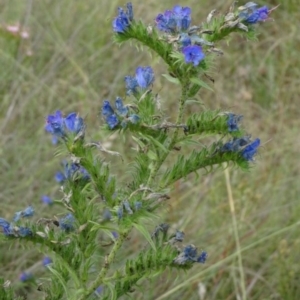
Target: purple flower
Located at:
point(251, 14)
point(46, 261)
point(123, 20)
point(25, 276)
point(144, 77)
point(174, 21)
point(74, 123)
point(193, 54)
point(55, 124)
point(233, 121)
point(47, 200)
point(67, 223)
point(250, 150)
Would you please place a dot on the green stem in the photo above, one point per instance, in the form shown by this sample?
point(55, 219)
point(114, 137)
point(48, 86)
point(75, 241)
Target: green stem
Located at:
point(109, 260)
point(184, 96)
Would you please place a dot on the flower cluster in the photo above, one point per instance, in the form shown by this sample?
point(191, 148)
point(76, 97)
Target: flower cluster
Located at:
point(118, 116)
point(174, 21)
point(189, 255)
point(125, 205)
point(251, 14)
point(67, 223)
point(70, 171)
point(123, 20)
point(144, 78)
point(59, 126)
point(233, 121)
point(12, 229)
point(177, 22)
point(244, 146)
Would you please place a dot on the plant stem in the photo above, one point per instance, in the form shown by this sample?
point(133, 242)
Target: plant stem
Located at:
point(108, 261)
point(183, 98)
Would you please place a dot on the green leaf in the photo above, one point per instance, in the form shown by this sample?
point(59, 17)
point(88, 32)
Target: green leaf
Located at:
point(145, 233)
point(171, 79)
point(201, 83)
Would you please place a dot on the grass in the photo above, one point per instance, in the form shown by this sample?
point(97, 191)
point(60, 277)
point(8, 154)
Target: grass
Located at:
point(74, 66)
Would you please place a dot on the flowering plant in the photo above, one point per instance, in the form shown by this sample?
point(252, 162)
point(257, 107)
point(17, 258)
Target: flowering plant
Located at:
point(96, 203)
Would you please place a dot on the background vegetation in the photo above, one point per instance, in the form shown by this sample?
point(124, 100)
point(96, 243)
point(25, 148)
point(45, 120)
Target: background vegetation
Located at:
point(74, 66)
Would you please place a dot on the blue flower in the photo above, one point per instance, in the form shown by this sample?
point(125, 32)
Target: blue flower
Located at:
point(106, 215)
point(70, 171)
point(251, 14)
point(23, 231)
point(193, 54)
point(123, 20)
point(134, 119)
point(109, 114)
point(67, 223)
point(144, 77)
point(138, 205)
point(26, 213)
point(5, 225)
point(55, 124)
point(185, 40)
point(174, 21)
point(131, 85)
point(120, 212)
point(107, 110)
point(202, 258)
point(99, 290)
point(60, 177)
point(236, 144)
point(74, 123)
point(179, 236)
point(250, 150)
point(25, 276)
point(233, 121)
point(189, 255)
point(46, 261)
point(115, 234)
point(242, 145)
point(112, 121)
point(120, 108)
point(47, 200)
point(127, 207)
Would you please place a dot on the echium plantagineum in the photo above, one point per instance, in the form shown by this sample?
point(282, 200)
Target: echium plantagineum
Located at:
point(99, 211)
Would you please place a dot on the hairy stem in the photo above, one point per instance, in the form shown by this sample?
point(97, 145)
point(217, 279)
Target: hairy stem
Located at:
point(108, 261)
